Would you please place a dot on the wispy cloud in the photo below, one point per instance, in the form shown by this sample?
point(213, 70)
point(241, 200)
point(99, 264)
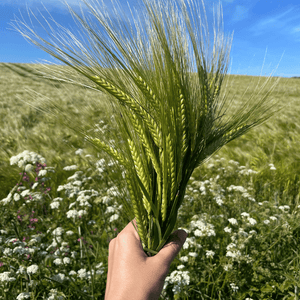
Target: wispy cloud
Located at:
point(283, 23)
point(34, 2)
point(240, 13)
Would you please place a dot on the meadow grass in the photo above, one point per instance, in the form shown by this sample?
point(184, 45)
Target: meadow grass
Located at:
point(241, 208)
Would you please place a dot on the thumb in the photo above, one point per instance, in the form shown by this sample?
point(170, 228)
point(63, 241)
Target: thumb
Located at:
point(172, 247)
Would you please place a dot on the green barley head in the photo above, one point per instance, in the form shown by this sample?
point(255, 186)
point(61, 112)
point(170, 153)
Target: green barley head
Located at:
point(164, 76)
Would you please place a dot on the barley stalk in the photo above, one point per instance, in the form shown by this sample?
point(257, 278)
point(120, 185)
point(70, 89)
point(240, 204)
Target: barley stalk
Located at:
point(164, 81)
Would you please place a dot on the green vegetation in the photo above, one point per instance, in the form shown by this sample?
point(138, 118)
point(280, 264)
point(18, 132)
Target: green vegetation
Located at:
point(241, 208)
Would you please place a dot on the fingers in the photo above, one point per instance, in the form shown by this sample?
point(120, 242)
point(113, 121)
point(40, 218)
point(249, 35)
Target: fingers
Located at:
point(111, 252)
point(172, 247)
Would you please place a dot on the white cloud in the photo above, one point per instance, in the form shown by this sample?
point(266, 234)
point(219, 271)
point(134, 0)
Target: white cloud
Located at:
point(285, 23)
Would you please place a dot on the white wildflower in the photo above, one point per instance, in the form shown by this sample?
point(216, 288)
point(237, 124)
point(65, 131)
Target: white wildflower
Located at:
point(227, 229)
point(227, 267)
point(178, 279)
point(272, 167)
point(72, 273)
point(82, 213)
point(233, 221)
point(34, 185)
point(72, 213)
point(16, 197)
point(267, 222)
point(14, 160)
point(23, 296)
point(42, 173)
point(114, 218)
point(70, 168)
point(54, 205)
point(73, 254)
point(4, 277)
point(184, 259)
point(7, 252)
point(234, 287)
point(219, 201)
point(82, 273)
point(58, 231)
point(69, 232)
point(193, 254)
point(77, 182)
point(32, 269)
point(21, 163)
point(244, 214)
point(78, 151)
point(252, 221)
point(252, 232)
point(25, 193)
point(67, 260)
point(109, 209)
point(273, 218)
point(180, 267)
point(28, 168)
point(57, 261)
point(210, 253)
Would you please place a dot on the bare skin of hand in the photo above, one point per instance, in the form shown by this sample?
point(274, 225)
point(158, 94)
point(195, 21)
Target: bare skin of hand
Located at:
point(132, 275)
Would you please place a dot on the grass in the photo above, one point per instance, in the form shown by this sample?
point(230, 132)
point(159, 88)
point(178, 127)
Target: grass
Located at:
point(253, 259)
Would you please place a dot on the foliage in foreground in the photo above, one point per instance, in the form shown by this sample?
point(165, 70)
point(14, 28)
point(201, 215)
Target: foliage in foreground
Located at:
point(243, 233)
point(275, 252)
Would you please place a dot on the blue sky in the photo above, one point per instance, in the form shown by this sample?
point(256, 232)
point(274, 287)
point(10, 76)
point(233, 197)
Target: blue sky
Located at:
point(266, 32)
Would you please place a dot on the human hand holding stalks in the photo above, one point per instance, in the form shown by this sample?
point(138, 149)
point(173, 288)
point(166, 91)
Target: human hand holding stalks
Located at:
point(164, 77)
point(131, 273)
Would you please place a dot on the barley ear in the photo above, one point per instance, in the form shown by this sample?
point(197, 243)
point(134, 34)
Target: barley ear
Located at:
point(172, 171)
point(182, 117)
point(140, 219)
point(109, 150)
point(140, 172)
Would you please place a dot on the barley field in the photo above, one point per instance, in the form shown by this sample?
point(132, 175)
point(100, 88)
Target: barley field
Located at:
point(60, 200)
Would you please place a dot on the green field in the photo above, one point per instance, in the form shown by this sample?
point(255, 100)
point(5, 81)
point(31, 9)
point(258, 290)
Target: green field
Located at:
point(253, 182)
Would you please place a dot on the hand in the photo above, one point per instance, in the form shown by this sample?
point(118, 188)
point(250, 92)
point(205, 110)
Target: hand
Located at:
point(132, 275)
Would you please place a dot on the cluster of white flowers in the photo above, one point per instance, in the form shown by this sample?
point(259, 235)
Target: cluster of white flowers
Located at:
point(233, 221)
point(5, 277)
point(246, 216)
point(284, 208)
point(236, 189)
point(234, 287)
point(179, 279)
point(70, 168)
point(23, 295)
point(59, 261)
point(58, 231)
point(26, 158)
point(202, 228)
point(53, 295)
point(272, 167)
point(209, 253)
point(83, 274)
point(32, 269)
point(246, 172)
point(233, 252)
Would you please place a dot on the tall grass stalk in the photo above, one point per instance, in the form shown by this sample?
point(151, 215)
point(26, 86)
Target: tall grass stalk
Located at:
point(164, 75)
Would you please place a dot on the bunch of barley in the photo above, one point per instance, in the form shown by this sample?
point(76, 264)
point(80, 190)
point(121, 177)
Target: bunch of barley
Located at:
point(163, 74)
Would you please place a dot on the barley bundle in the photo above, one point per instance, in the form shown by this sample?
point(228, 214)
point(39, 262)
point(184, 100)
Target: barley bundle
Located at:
point(164, 74)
